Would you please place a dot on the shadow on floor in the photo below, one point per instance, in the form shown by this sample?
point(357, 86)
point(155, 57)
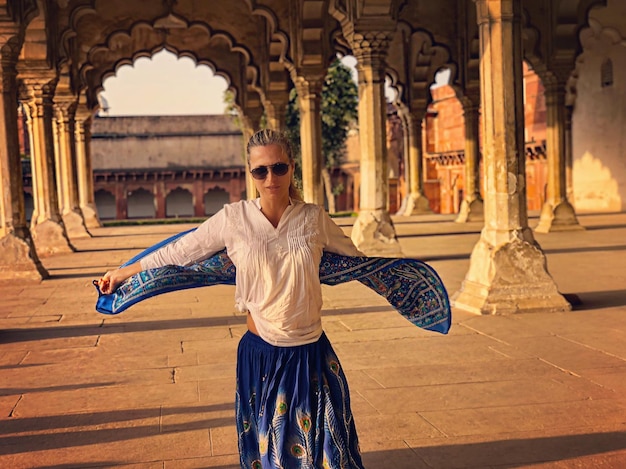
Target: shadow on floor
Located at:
point(596, 300)
point(501, 454)
point(605, 227)
point(104, 427)
point(55, 332)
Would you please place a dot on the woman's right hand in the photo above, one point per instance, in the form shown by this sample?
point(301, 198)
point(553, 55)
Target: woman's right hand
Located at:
point(109, 282)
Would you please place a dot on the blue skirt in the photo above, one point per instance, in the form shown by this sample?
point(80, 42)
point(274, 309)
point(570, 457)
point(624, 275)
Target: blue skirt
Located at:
point(293, 407)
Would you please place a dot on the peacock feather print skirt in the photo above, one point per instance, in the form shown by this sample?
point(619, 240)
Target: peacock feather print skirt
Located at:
point(293, 407)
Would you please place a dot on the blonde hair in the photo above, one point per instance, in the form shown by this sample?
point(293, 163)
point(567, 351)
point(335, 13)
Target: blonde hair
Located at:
point(266, 137)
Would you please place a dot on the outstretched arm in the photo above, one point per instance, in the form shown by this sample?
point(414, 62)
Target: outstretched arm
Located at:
point(189, 248)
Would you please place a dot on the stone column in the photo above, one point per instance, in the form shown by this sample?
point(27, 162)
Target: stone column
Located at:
point(251, 120)
point(18, 257)
point(406, 145)
point(373, 231)
point(84, 168)
point(66, 168)
point(416, 201)
point(507, 272)
point(557, 214)
point(310, 103)
point(47, 226)
point(121, 201)
point(276, 108)
point(472, 205)
point(235, 189)
point(569, 156)
point(160, 203)
point(198, 198)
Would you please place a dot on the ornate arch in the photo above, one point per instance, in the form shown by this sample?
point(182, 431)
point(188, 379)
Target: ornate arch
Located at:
point(123, 47)
point(426, 58)
point(92, 29)
point(272, 74)
point(412, 74)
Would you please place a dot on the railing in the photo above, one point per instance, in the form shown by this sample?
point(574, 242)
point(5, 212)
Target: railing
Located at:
point(533, 150)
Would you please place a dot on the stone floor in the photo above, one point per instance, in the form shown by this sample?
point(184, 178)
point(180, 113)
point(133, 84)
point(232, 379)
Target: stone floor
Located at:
point(153, 387)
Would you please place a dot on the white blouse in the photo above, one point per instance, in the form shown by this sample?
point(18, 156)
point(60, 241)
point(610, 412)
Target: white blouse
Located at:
point(277, 268)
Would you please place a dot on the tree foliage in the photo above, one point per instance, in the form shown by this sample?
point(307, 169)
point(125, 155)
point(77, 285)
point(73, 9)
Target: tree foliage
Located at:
point(338, 111)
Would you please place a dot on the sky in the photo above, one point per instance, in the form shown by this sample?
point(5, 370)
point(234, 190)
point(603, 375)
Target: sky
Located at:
point(164, 85)
point(167, 85)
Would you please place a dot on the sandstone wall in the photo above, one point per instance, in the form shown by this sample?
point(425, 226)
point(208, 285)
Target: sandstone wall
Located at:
point(166, 142)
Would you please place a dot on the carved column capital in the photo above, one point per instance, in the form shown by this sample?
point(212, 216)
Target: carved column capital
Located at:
point(275, 103)
point(370, 49)
point(65, 108)
point(371, 43)
point(308, 84)
point(554, 89)
point(37, 92)
point(412, 117)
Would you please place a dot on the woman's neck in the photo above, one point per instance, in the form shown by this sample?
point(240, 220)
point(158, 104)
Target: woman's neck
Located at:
point(274, 209)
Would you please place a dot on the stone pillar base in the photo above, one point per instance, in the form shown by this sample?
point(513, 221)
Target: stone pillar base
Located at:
point(506, 279)
point(50, 238)
point(17, 261)
point(417, 204)
point(373, 234)
point(561, 217)
point(471, 210)
point(90, 216)
point(403, 205)
point(75, 226)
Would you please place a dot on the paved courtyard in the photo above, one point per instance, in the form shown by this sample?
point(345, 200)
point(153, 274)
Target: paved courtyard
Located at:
point(154, 387)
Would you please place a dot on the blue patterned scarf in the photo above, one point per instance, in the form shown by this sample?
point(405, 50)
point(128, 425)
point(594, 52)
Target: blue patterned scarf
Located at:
point(412, 287)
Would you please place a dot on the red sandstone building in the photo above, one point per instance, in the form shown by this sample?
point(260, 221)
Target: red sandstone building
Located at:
point(443, 140)
point(166, 166)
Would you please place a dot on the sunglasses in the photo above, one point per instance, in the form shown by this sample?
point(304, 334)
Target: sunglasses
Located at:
point(278, 169)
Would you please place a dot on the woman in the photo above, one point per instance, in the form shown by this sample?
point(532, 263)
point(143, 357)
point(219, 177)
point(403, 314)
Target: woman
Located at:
point(292, 400)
